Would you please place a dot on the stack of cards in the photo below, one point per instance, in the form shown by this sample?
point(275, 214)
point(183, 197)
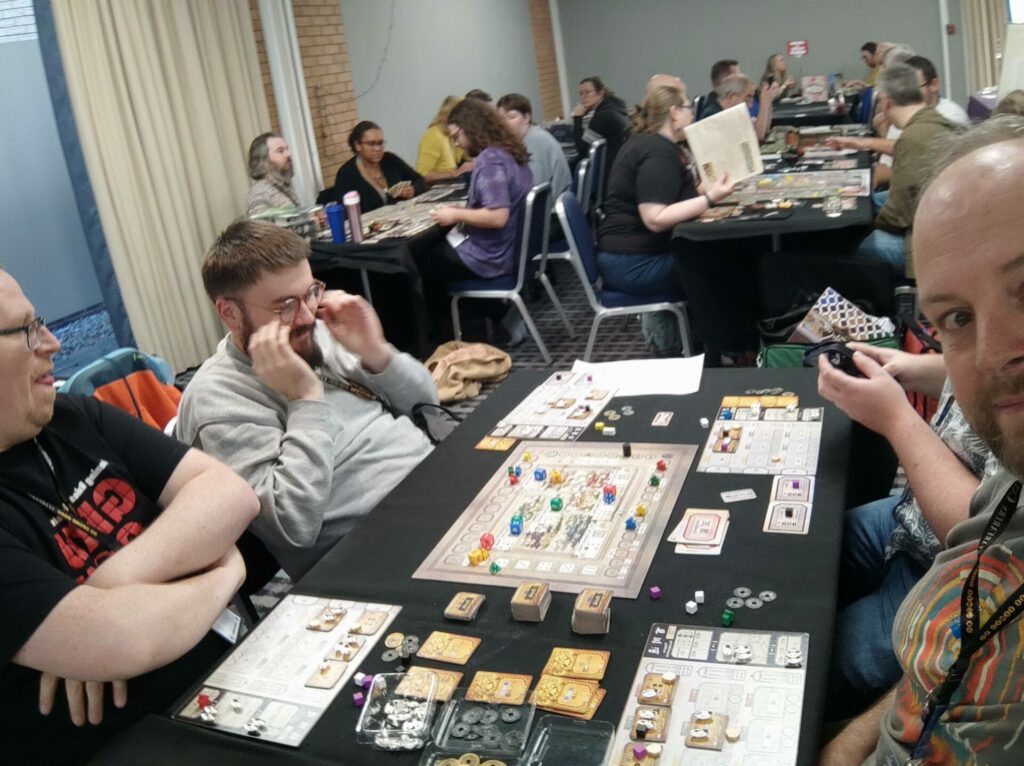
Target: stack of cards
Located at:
point(464, 606)
point(416, 683)
point(570, 683)
point(531, 601)
point(499, 688)
point(448, 647)
point(701, 532)
point(592, 612)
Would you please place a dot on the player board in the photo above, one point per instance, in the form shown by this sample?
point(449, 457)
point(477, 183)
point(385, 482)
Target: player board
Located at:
point(716, 696)
point(562, 407)
point(276, 684)
point(573, 533)
point(763, 435)
point(823, 183)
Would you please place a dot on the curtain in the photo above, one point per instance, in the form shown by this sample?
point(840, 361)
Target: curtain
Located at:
point(986, 23)
point(166, 97)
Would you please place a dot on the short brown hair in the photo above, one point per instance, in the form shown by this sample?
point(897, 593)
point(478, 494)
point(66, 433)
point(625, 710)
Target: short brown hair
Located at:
point(246, 250)
point(516, 102)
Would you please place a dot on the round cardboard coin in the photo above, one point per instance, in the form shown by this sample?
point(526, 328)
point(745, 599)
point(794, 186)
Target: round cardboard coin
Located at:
point(394, 640)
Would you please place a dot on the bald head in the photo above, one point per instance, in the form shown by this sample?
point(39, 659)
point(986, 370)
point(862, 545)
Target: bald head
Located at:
point(969, 259)
point(664, 80)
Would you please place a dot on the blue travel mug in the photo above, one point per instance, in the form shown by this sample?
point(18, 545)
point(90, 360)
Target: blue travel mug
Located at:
point(336, 220)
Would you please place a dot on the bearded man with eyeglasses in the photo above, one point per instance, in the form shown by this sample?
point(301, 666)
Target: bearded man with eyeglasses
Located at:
point(304, 398)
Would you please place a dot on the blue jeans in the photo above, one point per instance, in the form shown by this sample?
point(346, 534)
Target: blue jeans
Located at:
point(878, 200)
point(889, 248)
point(871, 590)
point(639, 274)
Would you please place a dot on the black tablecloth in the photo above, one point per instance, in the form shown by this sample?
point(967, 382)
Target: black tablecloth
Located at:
point(804, 218)
point(819, 113)
point(376, 561)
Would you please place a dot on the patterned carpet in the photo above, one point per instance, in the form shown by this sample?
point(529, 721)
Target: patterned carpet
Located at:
point(84, 337)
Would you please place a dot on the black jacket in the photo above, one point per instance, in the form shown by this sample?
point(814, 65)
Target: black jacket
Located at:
point(612, 123)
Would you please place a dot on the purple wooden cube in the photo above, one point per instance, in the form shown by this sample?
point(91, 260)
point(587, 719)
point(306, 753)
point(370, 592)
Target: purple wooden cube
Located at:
point(367, 681)
point(358, 699)
point(655, 592)
point(639, 752)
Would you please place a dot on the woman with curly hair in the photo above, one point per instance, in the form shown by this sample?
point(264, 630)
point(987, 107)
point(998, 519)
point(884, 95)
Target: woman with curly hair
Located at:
point(498, 186)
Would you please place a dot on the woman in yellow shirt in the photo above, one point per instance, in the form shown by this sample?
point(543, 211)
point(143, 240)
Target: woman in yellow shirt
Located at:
point(438, 159)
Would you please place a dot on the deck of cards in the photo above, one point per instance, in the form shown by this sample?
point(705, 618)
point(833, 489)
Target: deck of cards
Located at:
point(531, 601)
point(593, 611)
point(701, 532)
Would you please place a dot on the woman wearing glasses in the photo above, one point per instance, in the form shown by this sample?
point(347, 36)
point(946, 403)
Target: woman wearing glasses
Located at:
point(650, 190)
point(380, 177)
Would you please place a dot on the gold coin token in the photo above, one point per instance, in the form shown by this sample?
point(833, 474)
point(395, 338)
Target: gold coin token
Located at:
point(394, 640)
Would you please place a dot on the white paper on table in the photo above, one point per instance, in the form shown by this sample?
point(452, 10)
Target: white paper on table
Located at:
point(647, 377)
point(829, 152)
point(725, 143)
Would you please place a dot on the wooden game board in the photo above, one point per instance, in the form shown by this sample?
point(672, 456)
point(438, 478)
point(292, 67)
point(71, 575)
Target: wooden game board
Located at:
point(585, 544)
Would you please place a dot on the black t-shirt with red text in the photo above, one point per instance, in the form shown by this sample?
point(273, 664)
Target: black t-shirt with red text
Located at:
point(112, 468)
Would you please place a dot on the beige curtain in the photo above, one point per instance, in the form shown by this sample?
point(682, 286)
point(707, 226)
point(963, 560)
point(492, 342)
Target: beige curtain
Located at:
point(166, 96)
point(986, 23)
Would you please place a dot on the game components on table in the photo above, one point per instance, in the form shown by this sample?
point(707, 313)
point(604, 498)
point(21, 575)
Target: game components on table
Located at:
point(592, 612)
point(530, 602)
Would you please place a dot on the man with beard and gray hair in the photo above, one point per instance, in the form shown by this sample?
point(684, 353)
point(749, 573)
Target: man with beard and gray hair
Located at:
point(304, 398)
point(957, 636)
point(270, 166)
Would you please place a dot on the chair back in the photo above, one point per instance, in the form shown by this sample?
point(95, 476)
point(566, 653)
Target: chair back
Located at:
point(582, 184)
point(580, 239)
point(866, 102)
point(598, 156)
point(114, 366)
point(536, 224)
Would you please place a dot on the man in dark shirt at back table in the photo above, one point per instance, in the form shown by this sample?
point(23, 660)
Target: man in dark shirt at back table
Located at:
point(116, 556)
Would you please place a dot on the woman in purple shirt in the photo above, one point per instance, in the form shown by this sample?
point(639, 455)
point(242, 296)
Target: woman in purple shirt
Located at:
point(485, 242)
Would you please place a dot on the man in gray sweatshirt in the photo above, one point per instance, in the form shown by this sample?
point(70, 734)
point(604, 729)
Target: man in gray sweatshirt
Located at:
point(304, 398)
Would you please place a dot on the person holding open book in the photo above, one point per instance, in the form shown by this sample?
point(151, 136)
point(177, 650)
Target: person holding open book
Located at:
point(650, 190)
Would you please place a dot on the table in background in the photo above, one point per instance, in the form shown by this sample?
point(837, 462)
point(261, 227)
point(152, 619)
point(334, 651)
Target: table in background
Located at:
point(375, 563)
point(815, 113)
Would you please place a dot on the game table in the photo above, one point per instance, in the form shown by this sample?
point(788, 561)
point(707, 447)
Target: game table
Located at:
point(375, 563)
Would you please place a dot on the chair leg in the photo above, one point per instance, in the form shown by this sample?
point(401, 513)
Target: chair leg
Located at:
point(557, 304)
point(684, 328)
point(517, 299)
point(592, 338)
point(456, 324)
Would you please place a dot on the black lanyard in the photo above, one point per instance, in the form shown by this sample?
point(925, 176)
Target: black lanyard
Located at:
point(66, 510)
point(356, 389)
point(973, 635)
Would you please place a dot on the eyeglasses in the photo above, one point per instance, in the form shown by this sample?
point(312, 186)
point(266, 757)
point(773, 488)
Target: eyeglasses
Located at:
point(31, 330)
point(455, 135)
point(373, 144)
point(288, 309)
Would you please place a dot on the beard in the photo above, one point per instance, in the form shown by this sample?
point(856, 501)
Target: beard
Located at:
point(281, 176)
point(301, 339)
point(983, 416)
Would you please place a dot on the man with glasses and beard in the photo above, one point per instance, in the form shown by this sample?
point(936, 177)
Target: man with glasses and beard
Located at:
point(958, 636)
point(270, 166)
point(304, 398)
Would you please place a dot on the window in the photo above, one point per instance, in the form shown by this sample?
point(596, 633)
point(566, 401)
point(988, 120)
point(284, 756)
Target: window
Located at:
point(1016, 11)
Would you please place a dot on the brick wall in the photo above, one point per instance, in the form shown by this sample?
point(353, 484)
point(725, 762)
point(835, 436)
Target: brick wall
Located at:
point(547, 66)
point(332, 105)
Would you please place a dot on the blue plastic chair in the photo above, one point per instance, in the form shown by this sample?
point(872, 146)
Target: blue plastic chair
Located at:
point(597, 157)
point(114, 366)
point(533, 241)
point(608, 303)
point(866, 102)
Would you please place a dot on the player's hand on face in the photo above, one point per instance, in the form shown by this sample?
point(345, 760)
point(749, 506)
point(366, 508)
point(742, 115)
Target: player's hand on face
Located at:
point(876, 401)
point(579, 110)
point(445, 216)
point(85, 699)
point(277, 364)
point(355, 325)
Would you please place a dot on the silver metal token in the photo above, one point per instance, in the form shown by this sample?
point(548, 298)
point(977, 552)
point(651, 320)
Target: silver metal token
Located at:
point(734, 603)
point(510, 714)
point(741, 592)
point(471, 716)
point(488, 717)
point(753, 603)
point(460, 730)
point(767, 595)
point(389, 655)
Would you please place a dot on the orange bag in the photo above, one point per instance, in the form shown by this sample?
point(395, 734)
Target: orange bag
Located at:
point(141, 394)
